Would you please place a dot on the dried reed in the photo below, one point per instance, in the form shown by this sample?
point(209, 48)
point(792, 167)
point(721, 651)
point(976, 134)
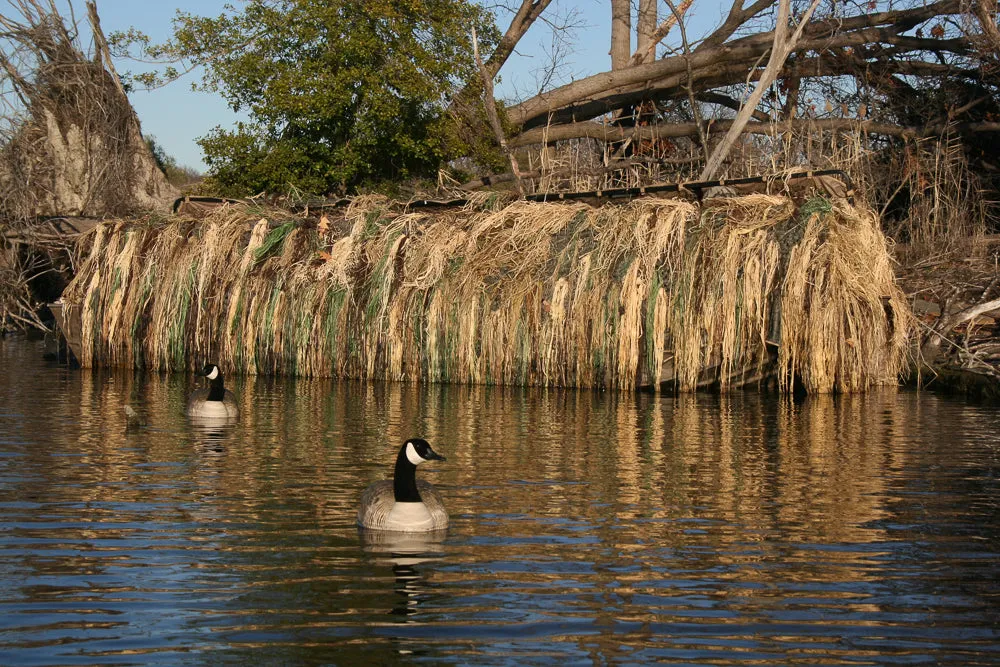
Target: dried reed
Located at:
point(558, 294)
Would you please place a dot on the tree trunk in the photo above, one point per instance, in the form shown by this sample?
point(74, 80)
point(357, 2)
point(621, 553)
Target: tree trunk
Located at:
point(621, 33)
point(646, 29)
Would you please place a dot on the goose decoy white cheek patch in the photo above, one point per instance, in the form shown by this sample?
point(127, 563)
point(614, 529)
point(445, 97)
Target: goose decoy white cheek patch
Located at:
point(412, 456)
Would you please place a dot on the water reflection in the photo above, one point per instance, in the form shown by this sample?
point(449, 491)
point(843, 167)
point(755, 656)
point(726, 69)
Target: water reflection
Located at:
point(585, 527)
point(405, 552)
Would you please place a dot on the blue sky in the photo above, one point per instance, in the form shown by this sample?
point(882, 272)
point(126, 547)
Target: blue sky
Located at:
point(177, 116)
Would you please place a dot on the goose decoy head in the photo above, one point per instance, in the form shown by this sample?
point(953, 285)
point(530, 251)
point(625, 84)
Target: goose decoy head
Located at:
point(402, 503)
point(215, 400)
point(419, 451)
point(210, 371)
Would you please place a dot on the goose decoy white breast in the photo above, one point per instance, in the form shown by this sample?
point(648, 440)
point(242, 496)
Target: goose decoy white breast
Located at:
point(403, 503)
point(214, 402)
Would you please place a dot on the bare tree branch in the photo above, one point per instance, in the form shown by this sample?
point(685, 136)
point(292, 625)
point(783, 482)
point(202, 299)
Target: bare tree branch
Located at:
point(526, 15)
point(986, 14)
point(648, 54)
point(491, 111)
point(675, 130)
point(737, 17)
point(734, 71)
point(730, 103)
point(101, 46)
point(782, 48)
point(820, 36)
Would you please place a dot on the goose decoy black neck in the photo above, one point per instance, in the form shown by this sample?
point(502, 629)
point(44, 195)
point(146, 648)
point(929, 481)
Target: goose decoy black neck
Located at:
point(404, 482)
point(216, 387)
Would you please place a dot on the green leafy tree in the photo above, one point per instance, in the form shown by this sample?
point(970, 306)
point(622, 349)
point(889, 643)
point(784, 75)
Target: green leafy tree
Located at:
point(339, 93)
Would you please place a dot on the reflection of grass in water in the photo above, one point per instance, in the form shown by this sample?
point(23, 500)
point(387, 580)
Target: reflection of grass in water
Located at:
point(519, 293)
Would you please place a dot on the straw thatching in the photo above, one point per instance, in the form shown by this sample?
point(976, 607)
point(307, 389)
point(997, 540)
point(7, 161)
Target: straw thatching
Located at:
point(553, 294)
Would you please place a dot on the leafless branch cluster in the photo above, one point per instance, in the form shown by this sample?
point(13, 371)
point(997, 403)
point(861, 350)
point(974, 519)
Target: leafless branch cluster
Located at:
point(772, 68)
point(71, 142)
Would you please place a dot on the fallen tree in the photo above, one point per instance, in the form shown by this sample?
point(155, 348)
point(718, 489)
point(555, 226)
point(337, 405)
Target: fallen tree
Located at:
point(721, 60)
point(902, 73)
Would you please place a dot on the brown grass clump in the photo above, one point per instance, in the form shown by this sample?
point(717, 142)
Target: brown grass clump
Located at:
point(840, 327)
point(506, 292)
point(723, 300)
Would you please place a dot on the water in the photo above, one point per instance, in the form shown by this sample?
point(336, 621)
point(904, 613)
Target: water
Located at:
point(587, 528)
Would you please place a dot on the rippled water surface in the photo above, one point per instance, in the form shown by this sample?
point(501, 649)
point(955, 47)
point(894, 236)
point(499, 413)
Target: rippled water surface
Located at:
point(587, 528)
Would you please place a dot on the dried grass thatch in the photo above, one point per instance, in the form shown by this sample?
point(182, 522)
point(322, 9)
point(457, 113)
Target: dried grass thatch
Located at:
point(554, 294)
point(70, 142)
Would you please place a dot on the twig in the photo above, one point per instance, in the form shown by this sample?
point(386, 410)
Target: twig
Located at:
point(678, 16)
point(491, 112)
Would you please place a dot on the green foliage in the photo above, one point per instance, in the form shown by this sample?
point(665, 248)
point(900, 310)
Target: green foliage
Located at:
point(340, 93)
point(818, 204)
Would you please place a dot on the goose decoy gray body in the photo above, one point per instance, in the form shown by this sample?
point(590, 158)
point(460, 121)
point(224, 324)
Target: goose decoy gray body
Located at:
point(404, 503)
point(214, 402)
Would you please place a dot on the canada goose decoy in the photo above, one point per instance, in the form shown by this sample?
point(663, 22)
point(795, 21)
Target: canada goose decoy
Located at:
point(404, 504)
point(132, 419)
point(215, 402)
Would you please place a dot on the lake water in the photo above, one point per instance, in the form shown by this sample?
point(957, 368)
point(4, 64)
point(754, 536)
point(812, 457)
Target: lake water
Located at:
point(587, 527)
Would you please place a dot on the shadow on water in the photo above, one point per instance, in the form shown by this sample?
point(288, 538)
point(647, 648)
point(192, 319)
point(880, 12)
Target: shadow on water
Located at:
point(585, 527)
